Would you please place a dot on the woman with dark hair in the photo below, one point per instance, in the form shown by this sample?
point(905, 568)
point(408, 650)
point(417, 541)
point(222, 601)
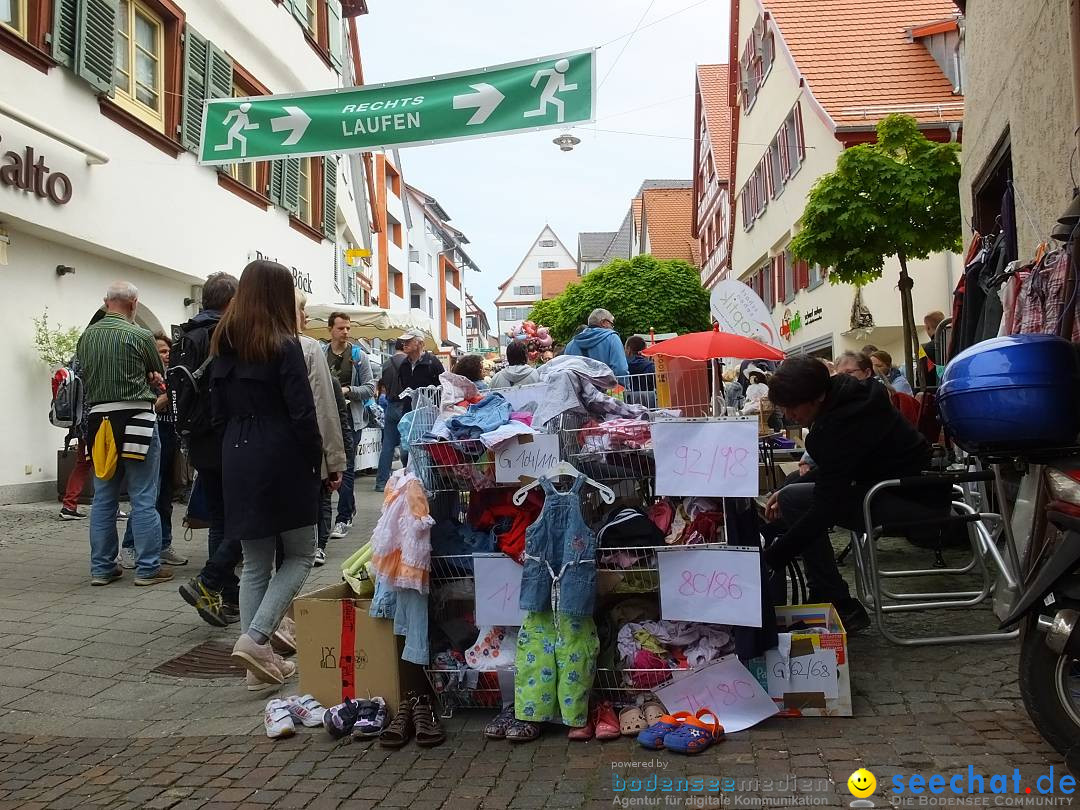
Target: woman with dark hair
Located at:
point(471, 367)
point(271, 455)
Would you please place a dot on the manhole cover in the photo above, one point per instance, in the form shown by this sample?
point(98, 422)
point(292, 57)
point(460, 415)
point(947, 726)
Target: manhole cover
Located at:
point(208, 660)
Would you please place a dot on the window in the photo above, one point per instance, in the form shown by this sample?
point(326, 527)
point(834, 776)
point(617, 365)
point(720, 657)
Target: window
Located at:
point(527, 290)
point(305, 211)
point(513, 313)
point(470, 322)
point(547, 243)
point(311, 18)
point(549, 264)
point(756, 62)
point(790, 286)
point(416, 301)
point(13, 16)
point(431, 307)
point(817, 276)
point(137, 67)
point(395, 233)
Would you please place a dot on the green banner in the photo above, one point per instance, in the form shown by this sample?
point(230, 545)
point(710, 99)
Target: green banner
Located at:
point(551, 91)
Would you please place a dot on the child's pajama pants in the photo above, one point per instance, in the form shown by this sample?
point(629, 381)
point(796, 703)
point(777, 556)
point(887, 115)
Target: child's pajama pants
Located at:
point(556, 664)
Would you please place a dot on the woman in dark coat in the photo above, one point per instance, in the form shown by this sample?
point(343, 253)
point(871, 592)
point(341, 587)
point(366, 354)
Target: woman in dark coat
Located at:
point(271, 456)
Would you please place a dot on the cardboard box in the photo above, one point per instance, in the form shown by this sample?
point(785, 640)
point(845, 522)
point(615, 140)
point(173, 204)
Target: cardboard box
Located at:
point(343, 653)
point(803, 644)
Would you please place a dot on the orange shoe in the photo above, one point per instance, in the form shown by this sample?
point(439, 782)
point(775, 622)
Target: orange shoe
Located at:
point(583, 734)
point(605, 723)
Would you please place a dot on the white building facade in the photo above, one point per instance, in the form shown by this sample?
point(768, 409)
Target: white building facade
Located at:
point(103, 98)
point(524, 288)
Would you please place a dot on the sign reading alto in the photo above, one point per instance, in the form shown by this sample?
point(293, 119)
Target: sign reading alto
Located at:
point(552, 91)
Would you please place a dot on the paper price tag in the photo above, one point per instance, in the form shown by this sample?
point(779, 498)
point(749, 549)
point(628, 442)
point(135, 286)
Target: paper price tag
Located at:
point(526, 457)
point(727, 688)
point(712, 585)
point(814, 673)
point(706, 458)
point(498, 590)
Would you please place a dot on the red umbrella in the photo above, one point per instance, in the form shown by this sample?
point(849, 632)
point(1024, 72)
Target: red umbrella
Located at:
point(714, 344)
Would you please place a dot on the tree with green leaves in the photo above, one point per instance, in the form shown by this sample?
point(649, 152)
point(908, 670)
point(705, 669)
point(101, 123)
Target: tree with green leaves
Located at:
point(642, 293)
point(897, 197)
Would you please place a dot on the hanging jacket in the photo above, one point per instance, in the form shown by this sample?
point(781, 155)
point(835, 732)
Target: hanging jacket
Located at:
point(401, 541)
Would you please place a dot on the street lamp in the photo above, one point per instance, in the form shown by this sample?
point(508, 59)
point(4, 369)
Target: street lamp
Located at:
point(566, 142)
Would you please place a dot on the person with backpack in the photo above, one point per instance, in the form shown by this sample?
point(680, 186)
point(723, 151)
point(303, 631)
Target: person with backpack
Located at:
point(66, 410)
point(120, 363)
point(215, 591)
point(350, 367)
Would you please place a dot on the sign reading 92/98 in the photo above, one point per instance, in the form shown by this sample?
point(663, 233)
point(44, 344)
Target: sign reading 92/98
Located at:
point(550, 91)
point(718, 459)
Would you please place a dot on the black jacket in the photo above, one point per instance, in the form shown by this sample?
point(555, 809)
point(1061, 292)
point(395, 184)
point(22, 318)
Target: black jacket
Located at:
point(859, 439)
point(271, 449)
point(398, 375)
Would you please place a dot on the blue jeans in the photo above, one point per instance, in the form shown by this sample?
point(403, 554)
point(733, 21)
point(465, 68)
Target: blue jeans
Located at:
point(346, 505)
point(265, 595)
point(390, 441)
point(143, 522)
point(165, 488)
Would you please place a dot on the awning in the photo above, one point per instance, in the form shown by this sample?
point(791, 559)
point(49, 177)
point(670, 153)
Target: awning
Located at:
point(369, 323)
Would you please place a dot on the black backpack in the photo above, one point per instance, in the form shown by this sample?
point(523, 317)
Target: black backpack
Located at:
point(66, 409)
point(187, 382)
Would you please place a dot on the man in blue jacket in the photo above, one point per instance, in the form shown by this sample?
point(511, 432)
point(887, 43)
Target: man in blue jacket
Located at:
point(600, 341)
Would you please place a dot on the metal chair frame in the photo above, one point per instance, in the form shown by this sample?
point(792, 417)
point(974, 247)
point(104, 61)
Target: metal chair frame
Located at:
point(985, 531)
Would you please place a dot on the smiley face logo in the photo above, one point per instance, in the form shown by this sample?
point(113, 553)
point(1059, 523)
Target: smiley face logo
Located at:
point(862, 783)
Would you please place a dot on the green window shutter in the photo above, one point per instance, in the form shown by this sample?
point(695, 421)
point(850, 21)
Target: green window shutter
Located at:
point(290, 185)
point(333, 11)
point(195, 81)
point(65, 18)
point(277, 181)
point(95, 43)
point(299, 10)
point(219, 73)
point(329, 220)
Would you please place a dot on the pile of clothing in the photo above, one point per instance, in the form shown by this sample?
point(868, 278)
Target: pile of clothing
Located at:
point(650, 651)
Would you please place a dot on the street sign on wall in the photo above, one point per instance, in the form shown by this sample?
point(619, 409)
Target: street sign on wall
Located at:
point(551, 91)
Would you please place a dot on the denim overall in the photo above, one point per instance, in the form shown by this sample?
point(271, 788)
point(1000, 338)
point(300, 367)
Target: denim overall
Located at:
point(559, 571)
point(557, 643)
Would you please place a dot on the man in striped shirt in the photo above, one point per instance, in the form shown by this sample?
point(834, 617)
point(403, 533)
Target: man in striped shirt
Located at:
point(120, 363)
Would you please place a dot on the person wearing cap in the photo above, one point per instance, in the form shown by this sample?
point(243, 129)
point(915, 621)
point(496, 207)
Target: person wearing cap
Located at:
point(412, 368)
point(600, 341)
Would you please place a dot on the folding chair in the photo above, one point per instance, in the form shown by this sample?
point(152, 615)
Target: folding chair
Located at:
point(984, 530)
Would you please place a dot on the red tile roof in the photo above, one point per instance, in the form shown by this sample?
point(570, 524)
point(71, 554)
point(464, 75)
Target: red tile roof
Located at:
point(713, 85)
point(667, 217)
point(554, 282)
point(858, 62)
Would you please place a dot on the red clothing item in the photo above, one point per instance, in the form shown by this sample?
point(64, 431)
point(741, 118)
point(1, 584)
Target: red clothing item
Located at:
point(488, 507)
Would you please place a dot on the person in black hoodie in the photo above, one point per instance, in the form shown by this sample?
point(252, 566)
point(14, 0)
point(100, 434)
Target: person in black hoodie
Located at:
point(215, 591)
point(413, 368)
point(857, 439)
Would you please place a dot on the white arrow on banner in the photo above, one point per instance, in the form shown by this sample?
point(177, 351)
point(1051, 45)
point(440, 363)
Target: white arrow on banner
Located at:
point(485, 100)
point(296, 121)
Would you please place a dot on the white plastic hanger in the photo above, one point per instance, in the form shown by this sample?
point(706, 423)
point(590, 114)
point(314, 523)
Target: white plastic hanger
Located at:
point(561, 469)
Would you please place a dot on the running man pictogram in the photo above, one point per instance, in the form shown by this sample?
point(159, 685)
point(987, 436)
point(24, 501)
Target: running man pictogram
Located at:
point(237, 129)
point(556, 83)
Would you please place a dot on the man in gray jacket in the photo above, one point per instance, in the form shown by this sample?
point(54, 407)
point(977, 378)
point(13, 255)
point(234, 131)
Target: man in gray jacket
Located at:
point(351, 369)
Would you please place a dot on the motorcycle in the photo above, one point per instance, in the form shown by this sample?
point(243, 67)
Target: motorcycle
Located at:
point(1047, 608)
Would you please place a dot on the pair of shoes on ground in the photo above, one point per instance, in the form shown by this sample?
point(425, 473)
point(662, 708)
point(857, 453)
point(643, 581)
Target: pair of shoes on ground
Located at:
point(341, 529)
point(635, 719)
point(361, 718)
point(209, 604)
point(159, 576)
point(282, 714)
point(416, 717)
point(506, 726)
point(602, 724)
point(683, 732)
point(126, 560)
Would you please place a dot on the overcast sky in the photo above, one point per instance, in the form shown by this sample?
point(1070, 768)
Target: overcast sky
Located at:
point(501, 191)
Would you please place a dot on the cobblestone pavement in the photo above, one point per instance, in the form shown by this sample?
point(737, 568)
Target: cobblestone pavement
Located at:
point(87, 725)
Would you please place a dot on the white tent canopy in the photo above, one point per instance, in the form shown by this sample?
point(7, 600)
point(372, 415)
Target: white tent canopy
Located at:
point(369, 323)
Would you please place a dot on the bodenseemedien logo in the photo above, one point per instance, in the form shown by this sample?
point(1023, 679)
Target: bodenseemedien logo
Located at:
point(862, 783)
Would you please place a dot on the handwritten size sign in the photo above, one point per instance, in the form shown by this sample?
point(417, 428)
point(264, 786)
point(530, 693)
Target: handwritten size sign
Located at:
point(526, 457)
point(712, 585)
point(498, 590)
point(727, 688)
point(706, 458)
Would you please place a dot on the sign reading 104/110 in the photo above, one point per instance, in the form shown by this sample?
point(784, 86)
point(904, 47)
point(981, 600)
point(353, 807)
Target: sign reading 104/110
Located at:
point(541, 93)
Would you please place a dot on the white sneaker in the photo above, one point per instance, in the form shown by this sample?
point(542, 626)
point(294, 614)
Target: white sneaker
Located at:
point(126, 558)
point(170, 557)
point(340, 530)
point(278, 720)
point(320, 557)
point(306, 709)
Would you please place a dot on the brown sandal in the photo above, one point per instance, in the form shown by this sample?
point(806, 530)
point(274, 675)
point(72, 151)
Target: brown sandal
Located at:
point(429, 731)
point(400, 730)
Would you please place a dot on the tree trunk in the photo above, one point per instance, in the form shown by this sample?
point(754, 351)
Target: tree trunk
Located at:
point(908, 316)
